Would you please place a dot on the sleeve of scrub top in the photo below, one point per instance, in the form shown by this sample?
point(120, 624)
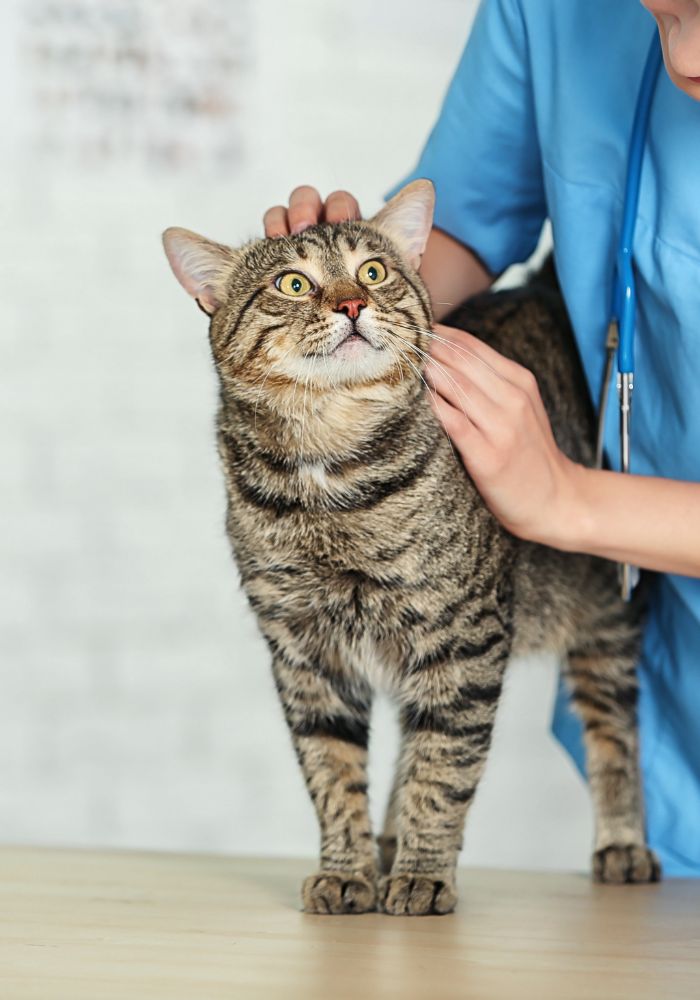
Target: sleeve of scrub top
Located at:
point(483, 154)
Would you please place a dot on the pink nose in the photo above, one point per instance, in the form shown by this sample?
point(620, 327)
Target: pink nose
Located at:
point(351, 307)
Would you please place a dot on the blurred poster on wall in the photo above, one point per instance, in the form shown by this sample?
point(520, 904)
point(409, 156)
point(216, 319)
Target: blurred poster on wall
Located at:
point(129, 83)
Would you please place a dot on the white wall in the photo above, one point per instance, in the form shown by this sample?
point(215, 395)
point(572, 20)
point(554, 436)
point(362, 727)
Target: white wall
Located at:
point(137, 707)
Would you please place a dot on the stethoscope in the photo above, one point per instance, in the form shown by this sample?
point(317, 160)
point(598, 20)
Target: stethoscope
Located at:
point(620, 334)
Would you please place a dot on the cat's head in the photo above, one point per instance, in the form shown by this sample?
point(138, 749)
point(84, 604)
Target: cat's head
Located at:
point(334, 307)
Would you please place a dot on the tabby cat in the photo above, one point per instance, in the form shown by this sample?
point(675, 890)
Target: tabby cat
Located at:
point(371, 560)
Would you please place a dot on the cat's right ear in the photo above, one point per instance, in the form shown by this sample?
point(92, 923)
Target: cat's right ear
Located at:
point(407, 218)
point(202, 267)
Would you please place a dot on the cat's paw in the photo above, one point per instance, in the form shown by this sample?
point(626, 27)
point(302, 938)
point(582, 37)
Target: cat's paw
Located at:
point(339, 892)
point(617, 864)
point(417, 895)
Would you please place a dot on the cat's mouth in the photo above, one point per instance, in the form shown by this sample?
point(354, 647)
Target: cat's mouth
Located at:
point(354, 341)
point(353, 338)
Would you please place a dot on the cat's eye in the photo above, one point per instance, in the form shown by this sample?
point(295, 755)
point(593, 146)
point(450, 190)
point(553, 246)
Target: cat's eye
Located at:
point(372, 272)
point(294, 284)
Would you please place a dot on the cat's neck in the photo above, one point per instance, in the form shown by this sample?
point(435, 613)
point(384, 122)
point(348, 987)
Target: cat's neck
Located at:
point(319, 427)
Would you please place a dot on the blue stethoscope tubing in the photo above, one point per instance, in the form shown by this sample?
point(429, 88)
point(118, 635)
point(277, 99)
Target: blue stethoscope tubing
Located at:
point(625, 301)
point(620, 333)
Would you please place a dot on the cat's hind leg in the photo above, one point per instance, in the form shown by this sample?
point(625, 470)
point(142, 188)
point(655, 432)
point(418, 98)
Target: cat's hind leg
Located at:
point(602, 677)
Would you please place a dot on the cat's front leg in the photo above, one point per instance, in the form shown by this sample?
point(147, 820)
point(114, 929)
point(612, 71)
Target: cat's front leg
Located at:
point(445, 738)
point(329, 723)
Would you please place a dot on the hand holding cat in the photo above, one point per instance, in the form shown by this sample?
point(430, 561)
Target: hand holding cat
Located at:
point(492, 410)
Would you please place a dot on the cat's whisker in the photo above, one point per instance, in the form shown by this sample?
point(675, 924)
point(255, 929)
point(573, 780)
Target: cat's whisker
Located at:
point(431, 335)
point(428, 357)
point(303, 405)
point(329, 376)
point(294, 391)
point(260, 390)
point(424, 354)
point(433, 396)
point(448, 343)
point(395, 356)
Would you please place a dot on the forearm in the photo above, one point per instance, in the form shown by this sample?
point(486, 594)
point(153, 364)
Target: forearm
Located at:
point(650, 522)
point(452, 272)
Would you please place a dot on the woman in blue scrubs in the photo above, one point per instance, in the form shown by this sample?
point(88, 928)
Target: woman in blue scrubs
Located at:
point(536, 124)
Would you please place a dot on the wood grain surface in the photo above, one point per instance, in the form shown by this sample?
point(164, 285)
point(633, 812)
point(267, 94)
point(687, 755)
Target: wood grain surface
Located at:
point(83, 925)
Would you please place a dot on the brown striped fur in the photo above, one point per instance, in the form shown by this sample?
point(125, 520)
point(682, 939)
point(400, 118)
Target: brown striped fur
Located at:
point(371, 560)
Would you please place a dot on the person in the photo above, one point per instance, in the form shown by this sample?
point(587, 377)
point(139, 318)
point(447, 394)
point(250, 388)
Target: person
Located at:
point(536, 124)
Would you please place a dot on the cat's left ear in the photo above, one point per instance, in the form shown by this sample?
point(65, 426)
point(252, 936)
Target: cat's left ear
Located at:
point(408, 217)
point(202, 267)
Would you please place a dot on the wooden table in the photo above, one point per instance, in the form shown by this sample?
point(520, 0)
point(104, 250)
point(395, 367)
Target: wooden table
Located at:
point(80, 925)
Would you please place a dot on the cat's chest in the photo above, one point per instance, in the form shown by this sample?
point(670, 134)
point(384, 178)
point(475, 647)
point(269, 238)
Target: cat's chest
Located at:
point(372, 661)
point(314, 477)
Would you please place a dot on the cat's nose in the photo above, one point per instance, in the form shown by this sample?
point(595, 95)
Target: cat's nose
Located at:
point(351, 307)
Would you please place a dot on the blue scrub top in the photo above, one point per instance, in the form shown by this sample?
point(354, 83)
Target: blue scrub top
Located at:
point(536, 124)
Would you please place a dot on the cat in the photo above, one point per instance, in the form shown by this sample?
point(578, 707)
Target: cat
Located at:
point(371, 561)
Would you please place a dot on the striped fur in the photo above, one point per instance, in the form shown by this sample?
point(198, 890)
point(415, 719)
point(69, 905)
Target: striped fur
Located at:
point(370, 560)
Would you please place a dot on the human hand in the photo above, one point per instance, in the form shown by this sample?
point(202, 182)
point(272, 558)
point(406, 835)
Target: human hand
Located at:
point(306, 209)
point(492, 410)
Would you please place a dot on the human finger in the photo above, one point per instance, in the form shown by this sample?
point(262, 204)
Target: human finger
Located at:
point(505, 381)
point(458, 428)
point(275, 221)
point(514, 387)
point(305, 208)
point(465, 363)
point(489, 359)
point(454, 353)
point(462, 393)
point(341, 206)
